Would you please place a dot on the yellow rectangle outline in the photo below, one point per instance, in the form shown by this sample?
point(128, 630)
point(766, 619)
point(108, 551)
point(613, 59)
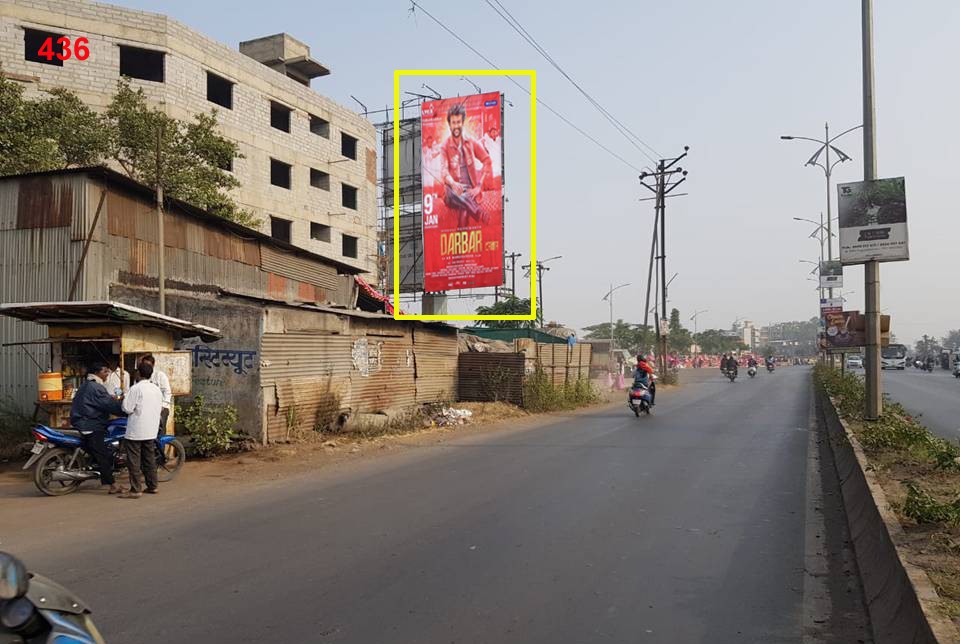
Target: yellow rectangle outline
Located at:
point(532, 74)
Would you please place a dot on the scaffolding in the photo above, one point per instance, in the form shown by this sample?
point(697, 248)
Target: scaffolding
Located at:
point(410, 206)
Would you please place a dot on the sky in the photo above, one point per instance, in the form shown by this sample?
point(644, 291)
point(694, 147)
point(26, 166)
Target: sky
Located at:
point(726, 79)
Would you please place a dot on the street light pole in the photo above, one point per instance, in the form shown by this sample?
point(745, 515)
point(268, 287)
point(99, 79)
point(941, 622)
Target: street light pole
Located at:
point(694, 317)
point(609, 296)
point(874, 388)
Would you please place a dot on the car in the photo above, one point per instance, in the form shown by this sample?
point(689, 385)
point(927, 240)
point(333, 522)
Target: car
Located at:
point(854, 362)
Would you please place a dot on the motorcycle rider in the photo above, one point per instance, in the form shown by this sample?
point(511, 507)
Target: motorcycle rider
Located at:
point(752, 362)
point(90, 413)
point(769, 362)
point(732, 365)
point(642, 375)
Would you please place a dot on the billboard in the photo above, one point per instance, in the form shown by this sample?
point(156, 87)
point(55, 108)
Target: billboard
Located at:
point(831, 274)
point(873, 221)
point(461, 153)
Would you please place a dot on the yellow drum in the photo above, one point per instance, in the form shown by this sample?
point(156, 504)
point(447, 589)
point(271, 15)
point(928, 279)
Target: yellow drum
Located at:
point(50, 386)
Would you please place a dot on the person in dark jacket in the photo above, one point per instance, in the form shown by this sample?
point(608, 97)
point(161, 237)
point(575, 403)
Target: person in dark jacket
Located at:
point(89, 414)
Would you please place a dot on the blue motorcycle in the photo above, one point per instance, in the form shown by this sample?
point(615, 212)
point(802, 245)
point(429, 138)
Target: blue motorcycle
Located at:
point(61, 465)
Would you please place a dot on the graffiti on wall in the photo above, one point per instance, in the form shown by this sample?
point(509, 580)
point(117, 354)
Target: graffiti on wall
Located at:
point(367, 356)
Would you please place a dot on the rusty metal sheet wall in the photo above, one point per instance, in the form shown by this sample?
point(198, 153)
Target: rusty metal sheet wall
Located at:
point(436, 357)
point(38, 263)
point(302, 269)
point(359, 371)
point(484, 377)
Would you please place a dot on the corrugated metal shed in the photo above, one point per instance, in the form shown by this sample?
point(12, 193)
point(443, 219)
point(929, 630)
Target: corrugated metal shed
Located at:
point(509, 335)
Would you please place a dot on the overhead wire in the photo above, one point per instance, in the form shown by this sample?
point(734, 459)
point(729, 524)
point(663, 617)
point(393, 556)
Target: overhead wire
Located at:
point(540, 101)
point(631, 136)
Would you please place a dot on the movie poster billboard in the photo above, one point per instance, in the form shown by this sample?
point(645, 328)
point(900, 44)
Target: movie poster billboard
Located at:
point(831, 274)
point(462, 148)
point(873, 221)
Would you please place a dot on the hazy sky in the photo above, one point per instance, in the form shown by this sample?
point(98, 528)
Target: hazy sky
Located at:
point(727, 79)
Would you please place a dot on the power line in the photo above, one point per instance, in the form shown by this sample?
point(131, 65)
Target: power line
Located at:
point(515, 82)
point(620, 127)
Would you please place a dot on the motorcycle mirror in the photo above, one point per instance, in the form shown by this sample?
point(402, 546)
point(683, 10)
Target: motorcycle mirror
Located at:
point(14, 580)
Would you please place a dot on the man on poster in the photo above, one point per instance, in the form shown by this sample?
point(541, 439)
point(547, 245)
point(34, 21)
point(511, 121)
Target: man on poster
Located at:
point(463, 185)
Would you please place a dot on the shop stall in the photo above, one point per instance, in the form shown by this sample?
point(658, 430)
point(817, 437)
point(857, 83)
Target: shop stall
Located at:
point(80, 333)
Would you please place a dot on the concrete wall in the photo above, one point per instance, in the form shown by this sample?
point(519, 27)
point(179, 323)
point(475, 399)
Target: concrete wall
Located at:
point(240, 324)
point(189, 55)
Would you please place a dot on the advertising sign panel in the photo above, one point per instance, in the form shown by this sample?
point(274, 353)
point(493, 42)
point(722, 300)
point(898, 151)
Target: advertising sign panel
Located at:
point(461, 149)
point(831, 274)
point(873, 221)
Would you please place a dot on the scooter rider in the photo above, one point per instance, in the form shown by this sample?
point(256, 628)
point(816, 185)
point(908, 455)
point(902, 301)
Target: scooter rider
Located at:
point(643, 375)
point(769, 362)
point(752, 362)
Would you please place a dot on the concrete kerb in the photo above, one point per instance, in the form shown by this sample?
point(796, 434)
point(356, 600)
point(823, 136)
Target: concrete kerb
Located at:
point(901, 599)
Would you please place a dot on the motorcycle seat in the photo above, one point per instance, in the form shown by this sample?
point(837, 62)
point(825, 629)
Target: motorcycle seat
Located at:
point(70, 432)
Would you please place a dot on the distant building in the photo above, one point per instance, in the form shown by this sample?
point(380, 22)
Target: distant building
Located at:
point(309, 166)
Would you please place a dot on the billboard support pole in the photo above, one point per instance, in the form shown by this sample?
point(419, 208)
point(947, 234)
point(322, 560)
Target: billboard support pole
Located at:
point(874, 388)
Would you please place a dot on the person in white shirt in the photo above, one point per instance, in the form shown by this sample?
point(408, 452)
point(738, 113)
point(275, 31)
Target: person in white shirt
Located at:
point(142, 404)
point(119, 379)
point(159, 378)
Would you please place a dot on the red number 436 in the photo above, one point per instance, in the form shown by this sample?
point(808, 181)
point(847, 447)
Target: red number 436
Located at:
point(80, 49)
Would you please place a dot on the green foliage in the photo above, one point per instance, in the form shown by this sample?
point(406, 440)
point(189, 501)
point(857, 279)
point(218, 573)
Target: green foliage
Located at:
point(713, 341)
point(28, 143)
point(923, 508)
point(15, 426)
point(541, 395)
point(951, 341)
point(191, 154)
point(895, 430)
point(212, 428)
point(509, 306)
point(60, 131)
point(634, 337)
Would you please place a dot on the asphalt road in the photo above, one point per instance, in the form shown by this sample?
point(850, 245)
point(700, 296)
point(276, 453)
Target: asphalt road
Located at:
point(934, 396)
point(691, 525)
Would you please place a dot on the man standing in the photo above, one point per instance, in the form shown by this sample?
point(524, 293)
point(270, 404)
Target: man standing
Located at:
point(118, 382)
point(143, 403)
point(90, 413)
point(159, 378)
point(460, 178)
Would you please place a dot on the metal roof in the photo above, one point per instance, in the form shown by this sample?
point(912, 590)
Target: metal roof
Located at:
point(60, 313)
point(117, 179)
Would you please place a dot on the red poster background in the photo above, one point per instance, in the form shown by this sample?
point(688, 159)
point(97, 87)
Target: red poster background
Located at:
point(462, 249)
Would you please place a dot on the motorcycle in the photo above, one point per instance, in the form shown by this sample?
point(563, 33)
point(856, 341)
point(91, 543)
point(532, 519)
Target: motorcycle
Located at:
point(639, 401)
point(62, 465)
point(770, 368)
point(34, 608)
point(731, 374)
point(752, 371)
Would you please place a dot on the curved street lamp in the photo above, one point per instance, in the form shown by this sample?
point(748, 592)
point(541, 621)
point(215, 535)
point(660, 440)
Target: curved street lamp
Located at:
point(826, 145)
point(609, 296)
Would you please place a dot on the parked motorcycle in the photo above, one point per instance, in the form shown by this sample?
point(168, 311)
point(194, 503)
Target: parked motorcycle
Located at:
point(752, 371)
point(36, 609)
point(62, 465)
point(639, 400)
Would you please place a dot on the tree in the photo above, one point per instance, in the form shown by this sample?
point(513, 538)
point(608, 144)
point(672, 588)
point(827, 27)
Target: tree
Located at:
point(927, 346)
point(713, 341)
point(192, 155)
point(633, 337)
point(28, 143)
point(952, 340)
point(509, 306)
point(60, 131)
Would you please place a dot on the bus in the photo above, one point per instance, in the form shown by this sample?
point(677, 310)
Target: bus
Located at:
point(893, 356)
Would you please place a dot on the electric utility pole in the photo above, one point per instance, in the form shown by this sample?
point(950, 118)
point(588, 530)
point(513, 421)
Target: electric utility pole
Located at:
point(661, 183)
